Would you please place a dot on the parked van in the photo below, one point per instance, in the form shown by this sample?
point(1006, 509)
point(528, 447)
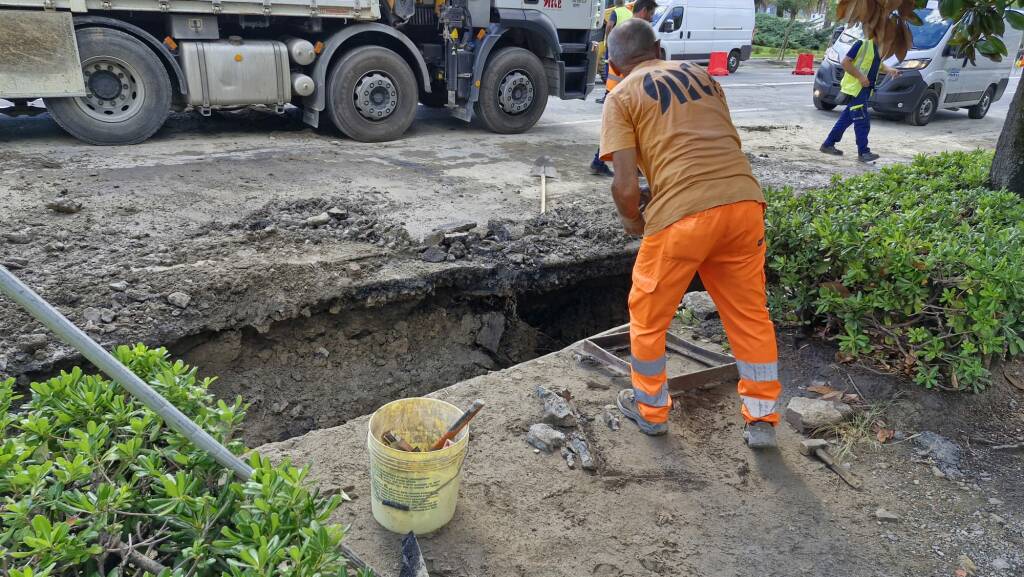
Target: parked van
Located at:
point(933, 75)
point(693, 29)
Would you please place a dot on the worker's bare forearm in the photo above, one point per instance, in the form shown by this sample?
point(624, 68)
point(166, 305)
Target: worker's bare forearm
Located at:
point(627, 197)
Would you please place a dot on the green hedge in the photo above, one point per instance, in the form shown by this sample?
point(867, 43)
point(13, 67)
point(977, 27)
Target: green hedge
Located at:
point(772, 29)
point(917, 267)
point(94, 484)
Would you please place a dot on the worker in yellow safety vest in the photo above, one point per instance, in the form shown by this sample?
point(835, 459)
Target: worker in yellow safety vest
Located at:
point(643, 9)
point(862, 65)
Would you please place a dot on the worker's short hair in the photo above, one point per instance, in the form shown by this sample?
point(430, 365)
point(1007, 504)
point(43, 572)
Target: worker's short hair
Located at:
point(641, 5)
point(630, 41)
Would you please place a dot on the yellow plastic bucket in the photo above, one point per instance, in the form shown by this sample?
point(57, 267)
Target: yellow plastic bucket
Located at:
point(415, 491)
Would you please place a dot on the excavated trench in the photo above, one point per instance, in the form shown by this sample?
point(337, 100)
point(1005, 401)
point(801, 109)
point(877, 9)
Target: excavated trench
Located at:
point(337, 362)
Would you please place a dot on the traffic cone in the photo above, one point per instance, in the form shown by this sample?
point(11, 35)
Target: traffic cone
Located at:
point(804, 65)
point(719, 64)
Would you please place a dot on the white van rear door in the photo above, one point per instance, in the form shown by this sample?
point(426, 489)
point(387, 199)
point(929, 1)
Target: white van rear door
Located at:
point(734, 23)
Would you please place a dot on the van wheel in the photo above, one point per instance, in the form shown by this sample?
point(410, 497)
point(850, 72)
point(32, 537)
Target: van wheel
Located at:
point(734, 61)
point(128, 92)
point(823, 105)
point(979, 110)
point(513, 92)
point(372, 94)
point(925, 109)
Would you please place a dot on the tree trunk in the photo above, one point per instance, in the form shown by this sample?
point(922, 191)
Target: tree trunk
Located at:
point(778, 11)
point(1008, 164)
point(785, 39)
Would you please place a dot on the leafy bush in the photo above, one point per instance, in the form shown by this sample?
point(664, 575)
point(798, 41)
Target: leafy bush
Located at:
point(771, 30)
point(917, 266)
point(94, 484)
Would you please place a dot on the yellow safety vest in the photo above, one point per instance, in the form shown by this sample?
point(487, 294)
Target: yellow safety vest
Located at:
point(622, 14)
point(865, 56)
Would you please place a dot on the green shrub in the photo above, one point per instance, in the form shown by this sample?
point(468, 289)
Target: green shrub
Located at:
point(916, 266)
point(771, 30)
point(94, 484)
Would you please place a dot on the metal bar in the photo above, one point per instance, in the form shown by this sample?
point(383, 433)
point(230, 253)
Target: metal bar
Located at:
point(682, 383)
point(50, 317)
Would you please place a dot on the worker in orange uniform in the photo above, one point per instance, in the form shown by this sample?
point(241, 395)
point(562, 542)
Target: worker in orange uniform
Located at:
point(644, 10)
point(706, 215)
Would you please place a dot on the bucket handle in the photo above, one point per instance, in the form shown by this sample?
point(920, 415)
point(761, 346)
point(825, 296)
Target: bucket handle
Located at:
point(404, 507)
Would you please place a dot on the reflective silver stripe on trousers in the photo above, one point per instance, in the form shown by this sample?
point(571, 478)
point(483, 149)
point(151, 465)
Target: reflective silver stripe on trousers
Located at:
point(660, 401)
point(758, 408)
point(758, 371)
point(648, 368)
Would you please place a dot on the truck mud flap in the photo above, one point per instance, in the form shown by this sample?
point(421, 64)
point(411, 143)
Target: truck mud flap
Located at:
point(39, 55)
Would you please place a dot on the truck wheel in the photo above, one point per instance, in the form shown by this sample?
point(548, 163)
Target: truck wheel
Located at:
point(979, 110)
point(513, 92)
point(925, 109)
point(823, 104)
point(372, 94)
point(733, 64)
point(128, 92)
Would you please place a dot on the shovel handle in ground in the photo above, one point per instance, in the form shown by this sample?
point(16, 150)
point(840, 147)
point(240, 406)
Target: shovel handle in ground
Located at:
point(543, 194)
point(851, 479)
point(459, 424)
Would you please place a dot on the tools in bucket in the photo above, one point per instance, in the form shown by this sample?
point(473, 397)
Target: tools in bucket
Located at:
point(391, 439)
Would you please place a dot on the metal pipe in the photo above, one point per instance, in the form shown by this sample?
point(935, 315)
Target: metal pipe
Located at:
point(17, 291)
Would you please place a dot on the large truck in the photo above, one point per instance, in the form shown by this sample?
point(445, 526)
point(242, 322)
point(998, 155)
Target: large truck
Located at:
point(111, 71)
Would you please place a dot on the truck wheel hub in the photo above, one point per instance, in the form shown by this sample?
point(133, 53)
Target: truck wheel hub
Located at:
point(114, 91)
point(515, 93)
point(376, 96)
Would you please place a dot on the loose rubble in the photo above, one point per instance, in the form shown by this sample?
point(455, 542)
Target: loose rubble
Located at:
point(700, 305)
point(64, 205)
point(556, 409)
point(944, 452)
point(544, 437)
point(807, 414)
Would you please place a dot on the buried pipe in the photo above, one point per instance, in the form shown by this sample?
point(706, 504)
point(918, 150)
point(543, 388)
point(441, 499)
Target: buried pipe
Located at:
point(12, 287)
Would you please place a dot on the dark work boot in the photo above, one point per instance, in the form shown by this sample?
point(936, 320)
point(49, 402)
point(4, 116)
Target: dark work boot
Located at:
point(868, 157)
point(600, 168)
point(760, 435)
point(830, 149)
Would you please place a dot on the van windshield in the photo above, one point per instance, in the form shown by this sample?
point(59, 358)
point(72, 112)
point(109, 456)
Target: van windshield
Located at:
point(927, 35)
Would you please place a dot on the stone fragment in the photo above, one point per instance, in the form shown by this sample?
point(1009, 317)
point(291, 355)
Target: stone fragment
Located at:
point(119, 286)
point(611, 417)
point(337, 213)
point(434, 254)
point(886, 516)
point(17, 237)
point(1000, 564)
point(700, 305)
point(456, 226)
point(14, 262)
point(944, 452)
point(544, 437)
point(318, 220)
point(179, 299)
point(807, 414)
point(64, 205)
point(32, 343)
point(457, 249)
point(556, 409)
point(570, 457)
point(491, 331)
point(92, 314)
point(578, 445)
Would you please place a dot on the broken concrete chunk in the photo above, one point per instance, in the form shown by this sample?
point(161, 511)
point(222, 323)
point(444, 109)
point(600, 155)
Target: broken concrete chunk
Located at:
point(14, 262)
point(578, 445)
point(700, 305)
point(570, 457)
point(434, 254)
point(456, 226)
point(337, 213)
point(17, 237)
point(943, 451)
point(119, 286)
point(318, 220)
point(611, 417)
point(556, 409)
point(491, 332)
point(807, 414)
point(32, 343)
point(544, 437)
point(92, 315)
point(179, 299)
point(64, 205)
point(886, 516)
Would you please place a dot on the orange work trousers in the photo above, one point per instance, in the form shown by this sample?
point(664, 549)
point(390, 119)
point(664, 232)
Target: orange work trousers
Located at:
point(726, 246)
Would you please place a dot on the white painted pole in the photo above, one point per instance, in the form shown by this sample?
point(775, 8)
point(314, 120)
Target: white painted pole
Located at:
point(17, 291)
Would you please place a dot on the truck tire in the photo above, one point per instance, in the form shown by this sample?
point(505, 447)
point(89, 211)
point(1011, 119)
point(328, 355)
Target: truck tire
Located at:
point(129, 92)
point(979, 110)
point(513, 92)
point(372, 94)
point(733, 64)
point(925, 109)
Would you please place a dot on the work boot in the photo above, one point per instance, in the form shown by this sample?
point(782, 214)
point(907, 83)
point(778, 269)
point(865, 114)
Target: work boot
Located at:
point(868, 157)
point(830, 149)
point(600, 100)
point(760, 435)
point(627, 404)
point(600, 168)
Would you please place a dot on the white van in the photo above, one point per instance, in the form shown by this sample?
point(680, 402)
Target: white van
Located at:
point(933, 75)
point(693, 29)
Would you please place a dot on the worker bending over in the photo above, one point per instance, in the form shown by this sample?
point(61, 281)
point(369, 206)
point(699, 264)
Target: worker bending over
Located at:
point(643, 9)
point(862, 64)
point(706, 215)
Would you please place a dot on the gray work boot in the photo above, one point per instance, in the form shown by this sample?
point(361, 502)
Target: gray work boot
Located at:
point(760, 435)
point(868, 157)
point(830, 149)
point(627, 404)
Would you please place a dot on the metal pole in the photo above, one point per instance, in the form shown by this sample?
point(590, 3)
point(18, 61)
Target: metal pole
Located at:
point(17, 291)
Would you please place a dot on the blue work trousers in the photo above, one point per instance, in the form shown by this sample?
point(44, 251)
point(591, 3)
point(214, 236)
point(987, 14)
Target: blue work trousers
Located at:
point(856, 113)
